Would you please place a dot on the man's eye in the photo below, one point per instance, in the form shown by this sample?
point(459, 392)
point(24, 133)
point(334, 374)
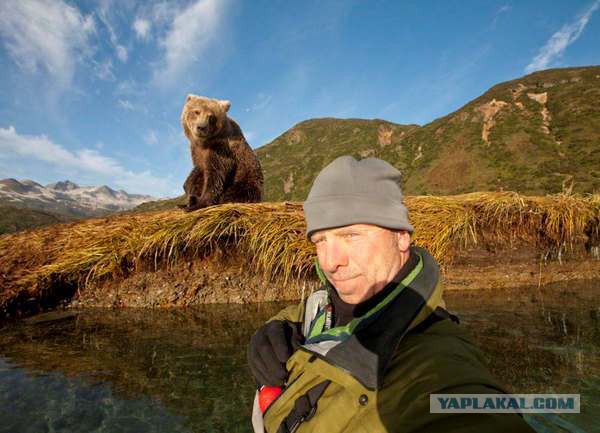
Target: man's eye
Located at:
point(351, 235)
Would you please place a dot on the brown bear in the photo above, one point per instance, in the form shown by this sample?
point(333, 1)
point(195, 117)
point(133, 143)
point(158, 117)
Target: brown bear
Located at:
point(225, 167)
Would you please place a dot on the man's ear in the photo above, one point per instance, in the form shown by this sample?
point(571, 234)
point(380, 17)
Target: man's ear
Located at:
point(403, 240)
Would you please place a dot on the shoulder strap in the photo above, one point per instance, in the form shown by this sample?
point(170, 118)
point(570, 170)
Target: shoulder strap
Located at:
point(315, 302)
point(304, 409)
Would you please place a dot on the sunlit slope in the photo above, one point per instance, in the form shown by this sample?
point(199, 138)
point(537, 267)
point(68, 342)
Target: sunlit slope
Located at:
point(535, 135)
point(291, 162)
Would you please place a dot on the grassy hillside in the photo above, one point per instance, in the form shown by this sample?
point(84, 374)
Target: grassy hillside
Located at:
point(13, 219)
point(169, 203)
point(535, 135)
point(292, 160)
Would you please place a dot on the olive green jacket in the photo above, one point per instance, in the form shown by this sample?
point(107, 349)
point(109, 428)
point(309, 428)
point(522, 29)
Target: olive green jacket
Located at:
point(384, 370)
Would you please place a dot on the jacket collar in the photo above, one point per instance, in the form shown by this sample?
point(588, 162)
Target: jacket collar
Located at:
point(365, 346)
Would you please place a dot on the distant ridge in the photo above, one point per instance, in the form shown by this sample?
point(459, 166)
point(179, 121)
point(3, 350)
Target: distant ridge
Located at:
point(66, 185)
point(66, 198)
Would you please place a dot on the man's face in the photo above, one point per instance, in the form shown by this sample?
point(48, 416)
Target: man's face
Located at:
point(360, 259)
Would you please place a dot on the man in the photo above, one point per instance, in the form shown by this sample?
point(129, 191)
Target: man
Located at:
point(365, 351)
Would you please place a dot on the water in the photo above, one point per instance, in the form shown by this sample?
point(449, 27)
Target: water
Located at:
point(544, 340)
point(185, 370)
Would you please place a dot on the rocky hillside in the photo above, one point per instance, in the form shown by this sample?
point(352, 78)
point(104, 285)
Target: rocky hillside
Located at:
point(67, 198)
point(537, 134)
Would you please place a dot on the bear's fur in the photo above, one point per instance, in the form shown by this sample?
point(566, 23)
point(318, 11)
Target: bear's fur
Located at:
point(225, 167)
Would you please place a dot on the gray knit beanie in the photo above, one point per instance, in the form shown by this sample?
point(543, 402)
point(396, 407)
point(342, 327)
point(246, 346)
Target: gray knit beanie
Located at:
point(348, 191)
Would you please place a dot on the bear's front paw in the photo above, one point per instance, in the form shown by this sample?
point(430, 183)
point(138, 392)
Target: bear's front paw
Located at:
point(193, 203)
point(188, 208)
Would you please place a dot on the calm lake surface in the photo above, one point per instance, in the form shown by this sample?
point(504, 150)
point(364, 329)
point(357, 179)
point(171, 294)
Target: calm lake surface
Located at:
point(185, 370)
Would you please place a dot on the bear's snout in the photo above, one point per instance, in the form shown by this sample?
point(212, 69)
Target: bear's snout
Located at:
point(206, 125)
point(204, 131)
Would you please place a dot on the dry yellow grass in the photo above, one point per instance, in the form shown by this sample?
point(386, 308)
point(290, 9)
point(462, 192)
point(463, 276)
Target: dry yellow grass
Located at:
point(270, 236)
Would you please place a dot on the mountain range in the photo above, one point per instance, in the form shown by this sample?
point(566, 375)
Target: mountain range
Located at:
point(67, 199)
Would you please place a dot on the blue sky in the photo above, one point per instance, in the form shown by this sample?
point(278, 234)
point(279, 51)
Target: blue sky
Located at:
point(92, 91)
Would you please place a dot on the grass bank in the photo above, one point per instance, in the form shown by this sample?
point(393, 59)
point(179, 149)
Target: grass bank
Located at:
point(39, 268)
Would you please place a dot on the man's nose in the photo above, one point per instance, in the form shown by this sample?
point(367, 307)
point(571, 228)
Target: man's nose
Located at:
point(334, 256)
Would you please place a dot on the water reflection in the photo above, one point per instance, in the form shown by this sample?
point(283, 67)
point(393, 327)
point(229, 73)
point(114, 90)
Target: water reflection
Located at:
point(543, 340)
point(34, 402)
point(185, 370)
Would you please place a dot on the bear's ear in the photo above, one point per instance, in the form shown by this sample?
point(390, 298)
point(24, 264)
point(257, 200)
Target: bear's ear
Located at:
point(225, 105)
point(190, 97)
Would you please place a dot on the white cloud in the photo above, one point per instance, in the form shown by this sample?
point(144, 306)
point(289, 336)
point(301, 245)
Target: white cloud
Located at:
point(45, 34)
point(189, 36)
point(104, 12)
point(126, 104)
point(162, 12)
point(85, 162)
point(150, 138)
point(39, 147)
point(141, 27)
point(559, 41)
point(104, 70)
point(262, 101)
point(122, 53)
point(504, 8)
point(128, 88)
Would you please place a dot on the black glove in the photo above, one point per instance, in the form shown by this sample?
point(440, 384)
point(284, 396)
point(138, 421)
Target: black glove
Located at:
point(270, 347)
